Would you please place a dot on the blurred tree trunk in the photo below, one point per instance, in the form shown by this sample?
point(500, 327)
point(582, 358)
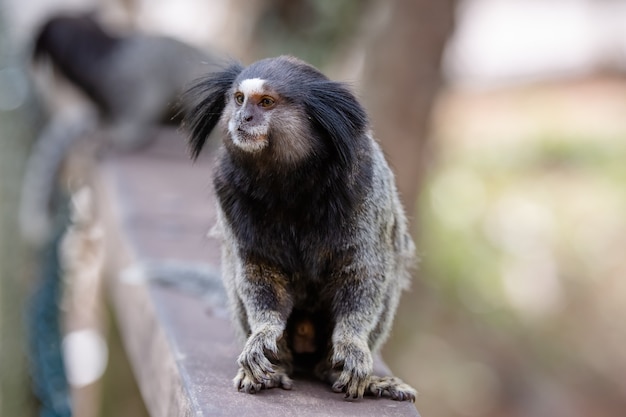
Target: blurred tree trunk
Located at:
point(15, 137)
point(401, 79)
point(400, 82)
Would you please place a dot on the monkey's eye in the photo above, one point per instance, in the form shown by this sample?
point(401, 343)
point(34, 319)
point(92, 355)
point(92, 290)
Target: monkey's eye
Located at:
point(239, 98)
point(266, 102)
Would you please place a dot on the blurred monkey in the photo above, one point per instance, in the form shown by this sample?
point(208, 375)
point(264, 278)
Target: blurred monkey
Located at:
point(133, 81)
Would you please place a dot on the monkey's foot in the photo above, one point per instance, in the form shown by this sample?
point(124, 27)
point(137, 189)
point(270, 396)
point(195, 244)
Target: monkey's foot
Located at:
point(392, 386)
point(245, 382)
point(356, 364)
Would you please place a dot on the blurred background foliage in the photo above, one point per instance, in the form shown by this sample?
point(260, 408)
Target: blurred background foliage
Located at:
point(307, 28)
point(506, 124)
point(522, 234)
point(19, 118)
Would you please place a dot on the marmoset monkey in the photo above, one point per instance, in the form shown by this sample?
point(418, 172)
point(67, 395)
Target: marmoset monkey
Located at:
point(315, 243)
point(133, 79)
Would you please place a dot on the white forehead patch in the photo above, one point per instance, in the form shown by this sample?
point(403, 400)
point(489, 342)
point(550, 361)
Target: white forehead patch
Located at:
point(252, 86)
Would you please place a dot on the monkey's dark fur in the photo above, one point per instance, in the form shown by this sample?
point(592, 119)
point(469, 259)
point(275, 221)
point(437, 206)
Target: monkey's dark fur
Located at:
point(314, 235)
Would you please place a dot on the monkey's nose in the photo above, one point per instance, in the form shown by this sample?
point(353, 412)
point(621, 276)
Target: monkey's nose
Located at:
point(248, 118)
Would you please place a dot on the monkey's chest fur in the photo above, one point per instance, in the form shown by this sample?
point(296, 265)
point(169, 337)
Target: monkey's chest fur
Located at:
point(300, 223)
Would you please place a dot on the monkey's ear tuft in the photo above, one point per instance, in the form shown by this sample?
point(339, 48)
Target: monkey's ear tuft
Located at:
point(341, 117)
point(208, 99)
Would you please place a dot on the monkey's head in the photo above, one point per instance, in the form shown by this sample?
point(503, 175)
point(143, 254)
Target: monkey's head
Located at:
point(280, 110)
point(63, 35)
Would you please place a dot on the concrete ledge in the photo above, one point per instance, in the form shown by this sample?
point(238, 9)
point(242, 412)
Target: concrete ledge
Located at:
point(157, 205)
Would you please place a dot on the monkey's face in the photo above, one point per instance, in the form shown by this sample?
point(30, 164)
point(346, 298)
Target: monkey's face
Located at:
point(277, 113)
point(251, 108)
point(260, 121)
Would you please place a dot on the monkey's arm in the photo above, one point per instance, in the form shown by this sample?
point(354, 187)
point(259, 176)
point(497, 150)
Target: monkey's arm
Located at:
point(357, 306)
point(263, 292)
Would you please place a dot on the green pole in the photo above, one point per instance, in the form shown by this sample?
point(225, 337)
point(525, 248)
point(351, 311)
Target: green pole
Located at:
point(18, 117)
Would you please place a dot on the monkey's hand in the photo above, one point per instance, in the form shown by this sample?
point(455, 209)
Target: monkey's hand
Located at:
point(354, 359)
point(256, 371)
point(254, 361)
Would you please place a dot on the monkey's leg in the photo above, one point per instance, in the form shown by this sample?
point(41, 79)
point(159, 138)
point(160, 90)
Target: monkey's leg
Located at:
point(390, 385)
point(265, 360)
point(385, 319)
point(356, 306)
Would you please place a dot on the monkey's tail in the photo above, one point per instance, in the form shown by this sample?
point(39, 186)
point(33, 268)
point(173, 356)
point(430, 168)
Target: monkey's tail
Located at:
point(42, 170)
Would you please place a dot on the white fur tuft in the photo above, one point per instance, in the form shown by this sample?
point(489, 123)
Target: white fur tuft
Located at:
point(252, 86)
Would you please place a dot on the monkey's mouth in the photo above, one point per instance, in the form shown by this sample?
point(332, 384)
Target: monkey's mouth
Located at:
point(250, 136)
point(249, 141)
